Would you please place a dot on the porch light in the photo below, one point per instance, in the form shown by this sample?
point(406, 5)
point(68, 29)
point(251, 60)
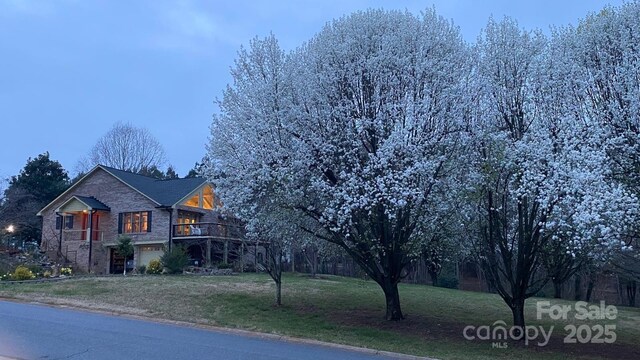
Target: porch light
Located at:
point(11, 229)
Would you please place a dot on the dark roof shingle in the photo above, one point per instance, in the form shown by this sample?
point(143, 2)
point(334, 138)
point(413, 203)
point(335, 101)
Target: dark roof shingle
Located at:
point(164, 192)
point(93, 203)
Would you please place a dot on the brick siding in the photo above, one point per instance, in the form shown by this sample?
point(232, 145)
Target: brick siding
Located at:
point(117, 196)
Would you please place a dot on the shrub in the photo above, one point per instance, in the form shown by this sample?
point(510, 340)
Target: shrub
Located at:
point(448, 277)
point(155, 267)
point(175, 260)
point(22, 273)
point(142, 269)
point(448, 282)
point(249, 267)
point(224, 265)
point(35, 268)
point(66, 271)
point(47, 274)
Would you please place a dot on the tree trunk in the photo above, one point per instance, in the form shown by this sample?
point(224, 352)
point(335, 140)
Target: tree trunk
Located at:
point(577, 288)
point(392, 297)
point(590, 289)
point(631, 292)
point(125, 267)
point(314, 264)
point(279, 292)
point(311, 257)
point(434, 278)
point(557, 289)
point(241, 256)
point(517, 308)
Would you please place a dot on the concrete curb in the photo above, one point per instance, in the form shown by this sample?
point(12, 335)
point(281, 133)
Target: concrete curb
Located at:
point(37, 281)
point(56, 279)
point(81, 277)
point(225, 330)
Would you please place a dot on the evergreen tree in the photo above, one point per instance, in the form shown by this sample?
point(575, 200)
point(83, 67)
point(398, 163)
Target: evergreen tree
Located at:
point(39, 182)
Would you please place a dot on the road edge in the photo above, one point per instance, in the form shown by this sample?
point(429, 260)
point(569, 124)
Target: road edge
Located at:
point(221, 329)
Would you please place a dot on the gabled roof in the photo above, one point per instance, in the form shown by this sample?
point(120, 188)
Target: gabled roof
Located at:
point(161, 192)
point(90, 202)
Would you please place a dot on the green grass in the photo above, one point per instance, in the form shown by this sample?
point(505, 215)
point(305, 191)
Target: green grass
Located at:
point(334, 309)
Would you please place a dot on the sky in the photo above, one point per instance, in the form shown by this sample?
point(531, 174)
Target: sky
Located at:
point(70, 69)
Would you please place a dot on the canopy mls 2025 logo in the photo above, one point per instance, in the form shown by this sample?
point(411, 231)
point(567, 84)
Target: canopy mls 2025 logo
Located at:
point(498, 332)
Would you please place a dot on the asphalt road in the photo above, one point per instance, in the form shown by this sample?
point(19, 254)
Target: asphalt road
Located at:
point(40, 332)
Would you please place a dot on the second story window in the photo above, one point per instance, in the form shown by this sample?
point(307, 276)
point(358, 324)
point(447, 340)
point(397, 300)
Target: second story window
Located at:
point(204, 199)
point(134, 222)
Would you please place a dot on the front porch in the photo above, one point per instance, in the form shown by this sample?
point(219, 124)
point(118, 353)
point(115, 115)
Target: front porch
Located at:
point(79, 220)
point(82, 235)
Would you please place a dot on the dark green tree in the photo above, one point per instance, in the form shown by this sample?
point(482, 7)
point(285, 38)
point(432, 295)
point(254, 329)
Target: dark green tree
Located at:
point(154, 172)
point(196, 171)
point(39, 182)
point(175, 260)
point(151, 171)
point(171, 173)
point(42, 177)
point(125, 249)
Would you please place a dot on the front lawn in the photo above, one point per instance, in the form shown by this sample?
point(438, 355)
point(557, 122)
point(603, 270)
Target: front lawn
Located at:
point(334, 309)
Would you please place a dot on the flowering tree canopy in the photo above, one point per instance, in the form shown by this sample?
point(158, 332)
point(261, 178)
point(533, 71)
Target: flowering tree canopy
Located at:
point(386, 135)
point(356, 132)
point(542, 166)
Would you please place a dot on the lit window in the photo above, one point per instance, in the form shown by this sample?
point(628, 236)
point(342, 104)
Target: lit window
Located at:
point(143, 222)
point(128, 228)
point(204, 199)
point(207, 198)
point(135, 222)
point(184, 219)
point(194, 201)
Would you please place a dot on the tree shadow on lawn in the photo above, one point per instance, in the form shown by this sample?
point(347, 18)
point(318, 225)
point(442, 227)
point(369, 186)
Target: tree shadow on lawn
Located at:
point(434, 329)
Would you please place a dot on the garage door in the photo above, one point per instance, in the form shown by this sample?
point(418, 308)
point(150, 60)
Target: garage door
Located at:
point(148, 253)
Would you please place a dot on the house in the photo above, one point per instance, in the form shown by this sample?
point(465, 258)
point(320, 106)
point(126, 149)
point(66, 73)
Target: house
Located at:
point(82, 225)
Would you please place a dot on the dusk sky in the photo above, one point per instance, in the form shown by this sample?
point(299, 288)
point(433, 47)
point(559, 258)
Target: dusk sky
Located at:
point(70, 69)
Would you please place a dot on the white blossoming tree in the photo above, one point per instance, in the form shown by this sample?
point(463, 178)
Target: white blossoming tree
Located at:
point(357, 133)
point(604, 49)
point(543, 169)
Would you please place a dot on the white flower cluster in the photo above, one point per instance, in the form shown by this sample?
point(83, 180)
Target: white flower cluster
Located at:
point(386, 129)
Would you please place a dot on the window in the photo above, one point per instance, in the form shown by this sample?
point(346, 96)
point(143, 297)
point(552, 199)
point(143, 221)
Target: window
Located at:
point(67, 220)
point(194, 201)
point(185, 218)
point(134, 222)
point(207, 198)
point(204, 199)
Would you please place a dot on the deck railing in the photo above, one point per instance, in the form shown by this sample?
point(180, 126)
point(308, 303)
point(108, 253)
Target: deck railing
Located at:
point(208, 229)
